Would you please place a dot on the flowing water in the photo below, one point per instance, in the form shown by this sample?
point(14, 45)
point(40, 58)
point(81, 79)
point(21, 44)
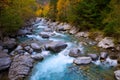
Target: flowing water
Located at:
point(60, 66)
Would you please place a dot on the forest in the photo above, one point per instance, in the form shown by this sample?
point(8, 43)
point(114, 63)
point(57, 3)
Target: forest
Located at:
point(88, 15)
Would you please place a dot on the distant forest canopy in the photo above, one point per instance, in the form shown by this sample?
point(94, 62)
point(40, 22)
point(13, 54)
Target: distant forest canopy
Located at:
point(101, 15)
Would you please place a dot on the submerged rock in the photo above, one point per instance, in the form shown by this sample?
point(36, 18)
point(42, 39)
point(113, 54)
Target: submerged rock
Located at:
point(56, 46)
point(44, 35)
point(5, 61)
point(117, 74)
point(74, 52)
point(20, 67)
point(106, 43)
point(82, 60)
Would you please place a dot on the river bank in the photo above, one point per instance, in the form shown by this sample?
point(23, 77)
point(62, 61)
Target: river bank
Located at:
point(30, 45)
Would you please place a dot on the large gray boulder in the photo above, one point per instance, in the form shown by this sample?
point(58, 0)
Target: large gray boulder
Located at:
point(75, 52)
point(117, 74)
point(37, 56)
point(9, 43)
point(24, 32)
point(107, 42)
point(20, 67)
point(82, 60)
point(93, 56)
point(35, 46)
point(82, 34)
point(56, 46)
point(5, 61)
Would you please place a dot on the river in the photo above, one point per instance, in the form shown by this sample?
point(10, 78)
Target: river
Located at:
point(60, 66)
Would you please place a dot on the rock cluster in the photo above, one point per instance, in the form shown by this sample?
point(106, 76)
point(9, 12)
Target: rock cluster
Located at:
point(20, 67)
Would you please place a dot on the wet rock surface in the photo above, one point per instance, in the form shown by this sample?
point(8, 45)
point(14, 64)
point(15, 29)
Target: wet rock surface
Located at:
point(107, 42)
point(56, 46)
point(25, 53)
point(5, 61)
point(74, 52)
point(37, 56)
point(117, 74)
point(82, 60)
point(20, 67)
point(93, 56)
point(103, 55)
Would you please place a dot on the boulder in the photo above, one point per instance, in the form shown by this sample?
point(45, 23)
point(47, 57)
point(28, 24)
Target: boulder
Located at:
point(1, 48)
point(118, 47)
point(48, 30)
point(46, 34)
point(45, 53)
point(73, 30)
point(19, 52)
point(35, 46)
point(20, 67)
point(37, 20)
point(67, 26)
point(82, 60)
point(56, 46)
point(19, 47)
point(74, 52)
point(103, 55)
point(107, 42)
point(28, 49)
point(93, 56)
point(117, 74)
point(82, 34)
point(24, 32)
point(63, 27)
point(5, 50)
point(9, 43)
point(37, 56)
point(5, 61)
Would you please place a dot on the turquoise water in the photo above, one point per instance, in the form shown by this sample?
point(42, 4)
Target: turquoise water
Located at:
point(61, 67)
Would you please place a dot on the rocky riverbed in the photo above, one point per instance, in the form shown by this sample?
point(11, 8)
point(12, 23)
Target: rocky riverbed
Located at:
point(48, 45)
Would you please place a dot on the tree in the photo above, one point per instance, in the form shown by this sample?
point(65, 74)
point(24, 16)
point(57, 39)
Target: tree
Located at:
point(13, 13)
point(112, 21)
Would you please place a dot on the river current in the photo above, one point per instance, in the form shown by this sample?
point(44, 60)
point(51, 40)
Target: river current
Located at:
point(60, 66)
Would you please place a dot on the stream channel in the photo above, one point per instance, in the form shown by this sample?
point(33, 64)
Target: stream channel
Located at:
point(60, 66)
